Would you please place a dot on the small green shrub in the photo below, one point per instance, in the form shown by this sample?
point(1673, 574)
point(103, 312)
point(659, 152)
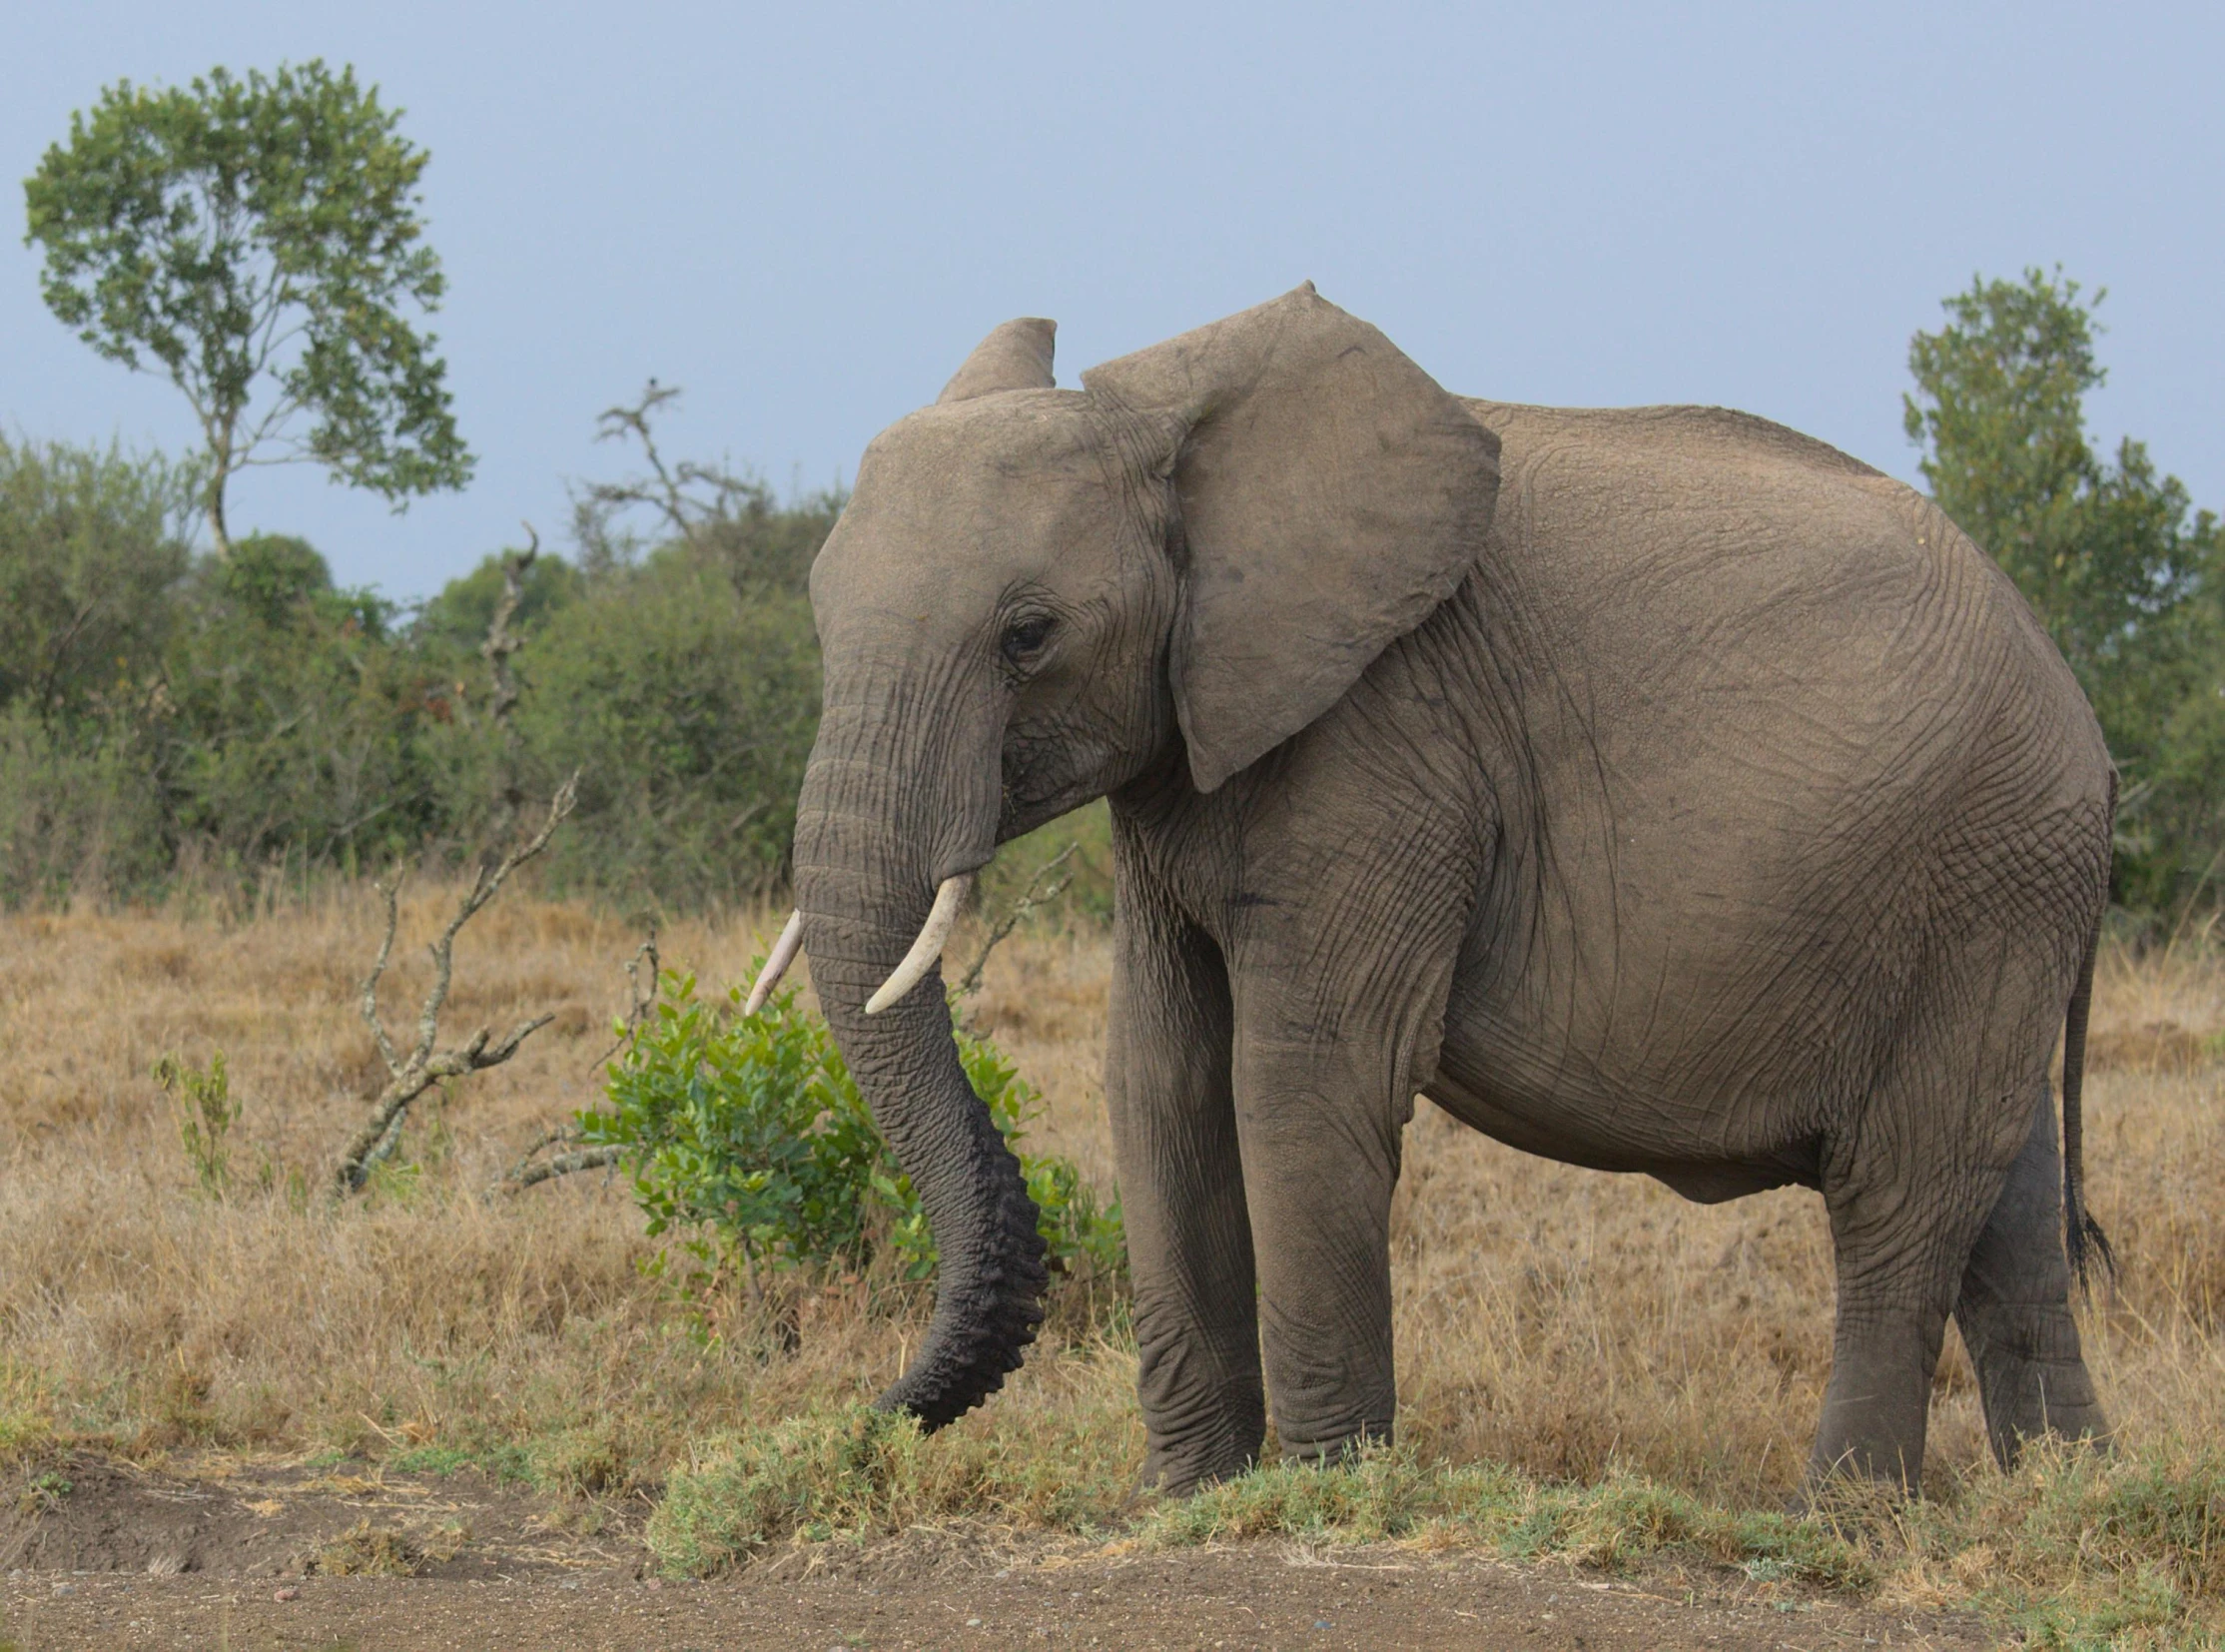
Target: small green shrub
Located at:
point(748, 1133)
point(206, 1115)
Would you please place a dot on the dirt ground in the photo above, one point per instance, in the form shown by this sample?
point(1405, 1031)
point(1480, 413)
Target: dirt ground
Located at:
point(128, 1560)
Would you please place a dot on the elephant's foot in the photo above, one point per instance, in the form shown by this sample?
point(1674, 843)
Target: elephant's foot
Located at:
point(2025, 1399)
point(1876, 1409)
point(1854, 1478)
point(1173, 1472)
point(2015, 1307)
point(1337, 1447)
point(1204, 1411)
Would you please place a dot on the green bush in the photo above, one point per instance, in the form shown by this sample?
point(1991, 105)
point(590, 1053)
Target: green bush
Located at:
point(688, 706)
point(748, 1134)
point(92, 549)
point(81, 808)
point(227, 714)
point(207, 1110)
point(291, 725)
point(456, 621)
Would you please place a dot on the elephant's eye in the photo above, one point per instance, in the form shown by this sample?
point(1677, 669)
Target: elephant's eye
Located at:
point(1024, 636)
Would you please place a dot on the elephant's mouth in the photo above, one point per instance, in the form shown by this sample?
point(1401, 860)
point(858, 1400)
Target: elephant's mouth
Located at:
point(1026, 803)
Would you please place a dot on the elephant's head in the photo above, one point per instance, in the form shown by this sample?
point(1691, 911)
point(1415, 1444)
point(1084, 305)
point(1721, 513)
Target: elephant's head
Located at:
point(1035, 596)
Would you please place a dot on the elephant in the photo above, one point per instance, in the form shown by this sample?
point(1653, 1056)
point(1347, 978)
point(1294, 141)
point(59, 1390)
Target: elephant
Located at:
point(1653, 789)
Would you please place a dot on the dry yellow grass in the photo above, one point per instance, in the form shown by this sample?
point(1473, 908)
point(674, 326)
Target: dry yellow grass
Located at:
point(136, 1312)
point(1567, 1322)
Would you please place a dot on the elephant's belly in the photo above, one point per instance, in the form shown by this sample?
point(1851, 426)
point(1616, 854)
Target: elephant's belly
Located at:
point(1687, 1152)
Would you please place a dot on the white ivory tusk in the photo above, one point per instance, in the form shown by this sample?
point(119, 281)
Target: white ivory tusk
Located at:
point(927, 948)
point(776, 965)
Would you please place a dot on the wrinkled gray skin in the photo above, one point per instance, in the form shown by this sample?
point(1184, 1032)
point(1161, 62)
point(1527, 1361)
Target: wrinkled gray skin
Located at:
point(1654, 789)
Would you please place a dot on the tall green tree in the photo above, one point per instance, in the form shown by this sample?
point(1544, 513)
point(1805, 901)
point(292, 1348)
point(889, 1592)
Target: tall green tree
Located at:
point(2125, 575)
point(258, 241)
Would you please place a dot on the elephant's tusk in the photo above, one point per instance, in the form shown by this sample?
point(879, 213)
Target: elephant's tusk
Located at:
point(927, 948)
point(783, 954)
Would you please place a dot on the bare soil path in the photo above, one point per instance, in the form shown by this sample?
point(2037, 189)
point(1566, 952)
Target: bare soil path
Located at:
point(1255, 1596)
point(243, 1561)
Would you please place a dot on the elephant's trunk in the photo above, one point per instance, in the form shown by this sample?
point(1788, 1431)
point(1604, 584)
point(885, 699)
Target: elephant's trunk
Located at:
point(876, 833)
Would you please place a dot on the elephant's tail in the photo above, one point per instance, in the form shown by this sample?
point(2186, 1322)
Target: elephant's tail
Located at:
point(2082, 1235)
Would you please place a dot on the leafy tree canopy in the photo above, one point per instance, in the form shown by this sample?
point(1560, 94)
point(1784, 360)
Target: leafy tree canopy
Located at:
point(259, 239)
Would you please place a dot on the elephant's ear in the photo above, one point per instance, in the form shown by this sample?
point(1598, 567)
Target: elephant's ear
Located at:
point(1331, 496)
point(1017, 356)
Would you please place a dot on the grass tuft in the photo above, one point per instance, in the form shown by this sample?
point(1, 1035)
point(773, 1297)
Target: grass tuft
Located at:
point(2077, 1549)
point(364, 1550)
point(1388, 1495)
point(851, 1472)
point(26, 1416)
point(2084, 1549)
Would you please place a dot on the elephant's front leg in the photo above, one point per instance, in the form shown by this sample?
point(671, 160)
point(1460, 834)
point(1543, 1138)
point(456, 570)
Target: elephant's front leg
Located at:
point(1182, 1188)
point(1320, 1124)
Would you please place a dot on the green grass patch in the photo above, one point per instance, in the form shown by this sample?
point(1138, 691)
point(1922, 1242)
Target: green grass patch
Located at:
point(852, 1472)
point(433, 1459)
point(2075, 1549)
point(2082, 1550)
point(1388, 1495)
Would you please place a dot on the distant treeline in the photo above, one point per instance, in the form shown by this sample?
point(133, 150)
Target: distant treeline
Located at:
point(232, 718)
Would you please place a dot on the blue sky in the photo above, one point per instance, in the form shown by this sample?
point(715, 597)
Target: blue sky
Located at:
point(806, 213)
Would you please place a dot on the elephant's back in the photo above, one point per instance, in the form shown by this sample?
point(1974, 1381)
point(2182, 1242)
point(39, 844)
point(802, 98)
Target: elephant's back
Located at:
point(1668, 544)
point(1710, 435)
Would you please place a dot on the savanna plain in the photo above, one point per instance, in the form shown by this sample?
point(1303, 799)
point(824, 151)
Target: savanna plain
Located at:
point(451, 1412)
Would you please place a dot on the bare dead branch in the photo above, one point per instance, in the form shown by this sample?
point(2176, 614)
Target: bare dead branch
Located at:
point(614, 424)
point(426, 1064)
point(556, 1136)
point(564, 1164)
point(696, 501)
point(388, 1142)
point(1033, 896)
point(391, 893)
point(501, 642)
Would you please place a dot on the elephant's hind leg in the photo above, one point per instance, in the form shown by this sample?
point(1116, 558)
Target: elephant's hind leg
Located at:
point(1910, 1186)
point(1891, 1321)
point(2015, 1307)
